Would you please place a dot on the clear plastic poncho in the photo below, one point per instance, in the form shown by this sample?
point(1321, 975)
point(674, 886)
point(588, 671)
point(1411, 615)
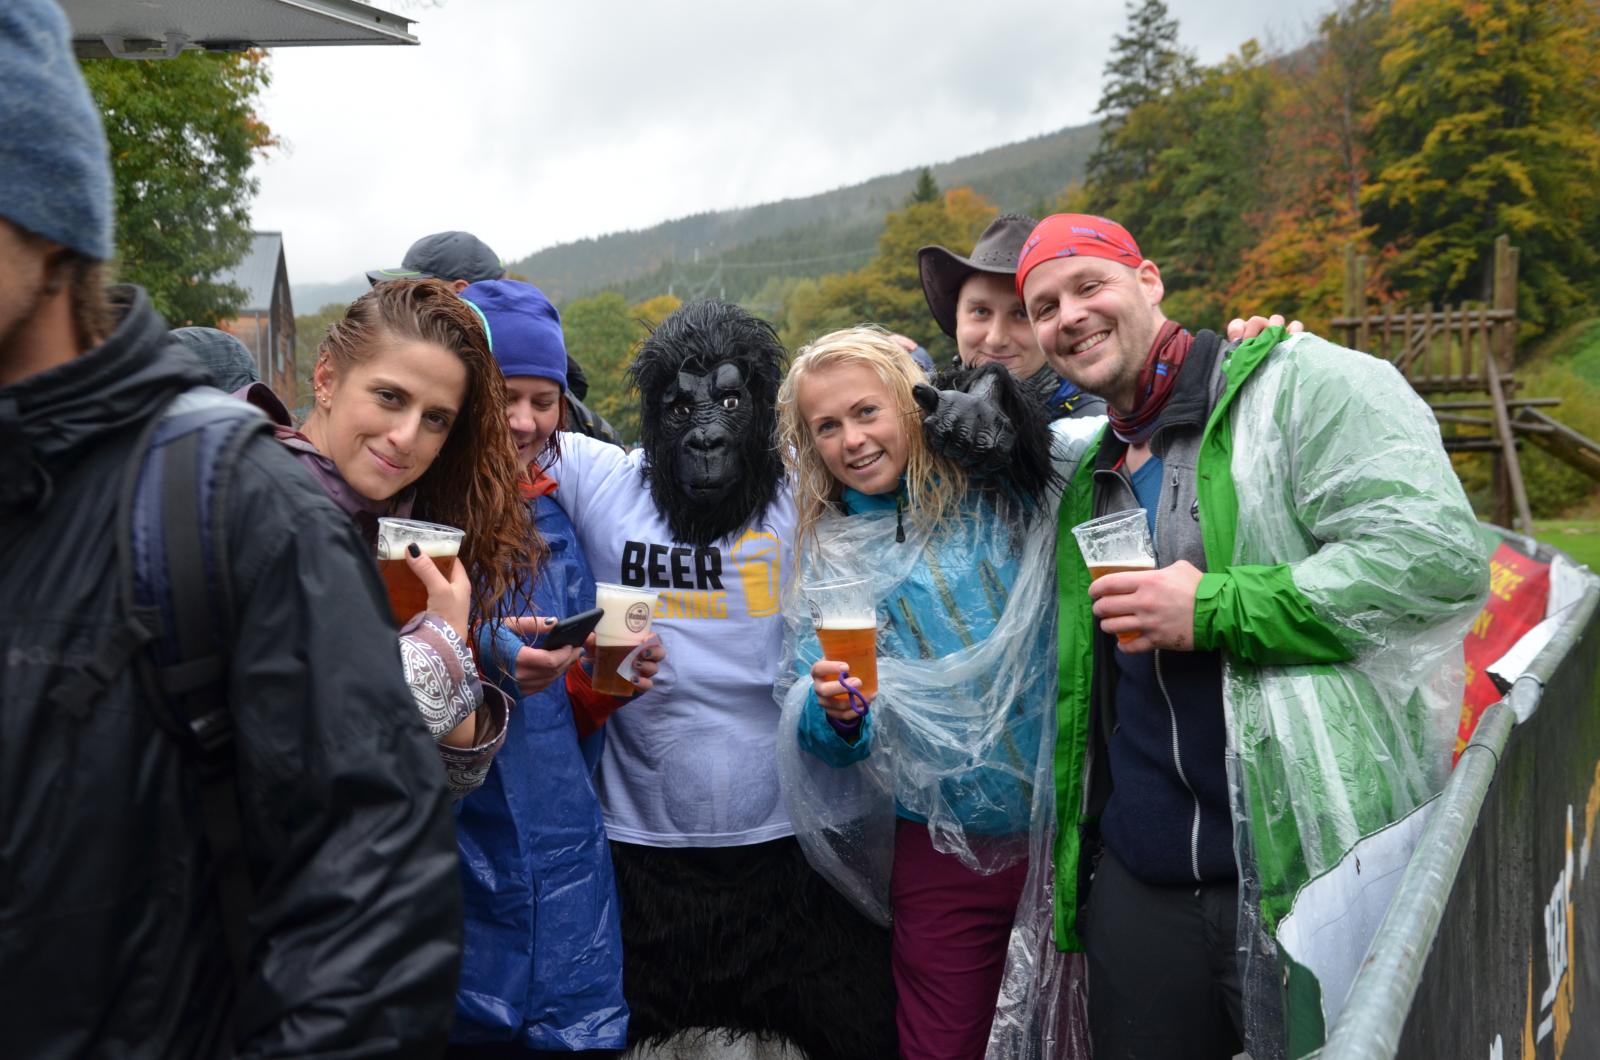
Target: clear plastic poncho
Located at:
point(962, 733)
point(1339, 473)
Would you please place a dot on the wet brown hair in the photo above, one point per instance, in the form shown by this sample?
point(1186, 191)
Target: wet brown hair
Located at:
point(472, 484)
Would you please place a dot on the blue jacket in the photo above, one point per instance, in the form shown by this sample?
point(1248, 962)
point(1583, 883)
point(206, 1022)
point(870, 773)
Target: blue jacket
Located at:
point(542, 962)
point(947, 603)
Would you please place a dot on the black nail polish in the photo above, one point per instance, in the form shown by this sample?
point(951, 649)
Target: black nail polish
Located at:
point(414, 550)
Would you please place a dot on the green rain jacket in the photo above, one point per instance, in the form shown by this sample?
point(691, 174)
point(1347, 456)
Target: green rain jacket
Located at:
point(1344, 571)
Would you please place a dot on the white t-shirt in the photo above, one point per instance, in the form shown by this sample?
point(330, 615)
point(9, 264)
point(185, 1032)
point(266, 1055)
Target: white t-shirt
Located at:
point(692, 762)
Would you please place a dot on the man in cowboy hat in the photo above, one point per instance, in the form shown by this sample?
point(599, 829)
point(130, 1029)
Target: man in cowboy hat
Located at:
point(974, 300)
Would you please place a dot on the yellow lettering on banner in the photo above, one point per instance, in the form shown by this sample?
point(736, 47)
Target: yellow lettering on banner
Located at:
point(1472, 674)
point(1481, 624)
point(1503, 581)
point(690, 604)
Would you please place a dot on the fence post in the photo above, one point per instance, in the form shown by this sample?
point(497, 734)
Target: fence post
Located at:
point(1506, 259)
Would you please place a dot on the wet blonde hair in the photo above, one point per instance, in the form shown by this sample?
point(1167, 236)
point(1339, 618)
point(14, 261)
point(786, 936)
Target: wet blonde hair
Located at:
point(934, 486)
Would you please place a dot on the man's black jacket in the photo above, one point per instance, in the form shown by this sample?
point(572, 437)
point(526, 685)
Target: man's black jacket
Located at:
point(110, 943)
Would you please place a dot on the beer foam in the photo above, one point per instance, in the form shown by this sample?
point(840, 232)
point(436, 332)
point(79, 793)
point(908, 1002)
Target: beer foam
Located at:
point(436, 549)
point(849, 622)
point(624, 622)
point(1132, 564)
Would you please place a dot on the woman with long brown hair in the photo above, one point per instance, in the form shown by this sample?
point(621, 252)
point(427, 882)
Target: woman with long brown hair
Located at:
point(408, 420)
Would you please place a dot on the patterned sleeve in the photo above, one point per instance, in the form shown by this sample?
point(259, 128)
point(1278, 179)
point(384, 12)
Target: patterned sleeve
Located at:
point(445, 684)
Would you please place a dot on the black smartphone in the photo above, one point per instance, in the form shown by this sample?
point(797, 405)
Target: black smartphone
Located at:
point(572, 631)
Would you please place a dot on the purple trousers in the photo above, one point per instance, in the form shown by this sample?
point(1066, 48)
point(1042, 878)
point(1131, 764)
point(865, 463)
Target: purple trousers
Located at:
point(951, 927)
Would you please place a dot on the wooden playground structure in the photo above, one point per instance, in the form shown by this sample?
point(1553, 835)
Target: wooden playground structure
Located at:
point(1462, 360)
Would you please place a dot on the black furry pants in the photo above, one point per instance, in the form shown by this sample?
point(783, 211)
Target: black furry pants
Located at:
point(750, 940)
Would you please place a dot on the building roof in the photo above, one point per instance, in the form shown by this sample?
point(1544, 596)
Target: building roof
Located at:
point(258, 272)
point(166, 27)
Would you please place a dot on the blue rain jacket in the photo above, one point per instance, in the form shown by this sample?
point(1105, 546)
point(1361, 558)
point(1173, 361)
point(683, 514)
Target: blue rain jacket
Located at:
point(949, 602)
point(542, 960)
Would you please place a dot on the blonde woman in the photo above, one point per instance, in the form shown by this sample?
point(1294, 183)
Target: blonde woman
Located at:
point(941, 765)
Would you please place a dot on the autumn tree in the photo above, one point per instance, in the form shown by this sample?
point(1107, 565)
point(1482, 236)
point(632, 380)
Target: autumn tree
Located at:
point(1489, 123)
point(1317, 142)
point(1190, 209)
point(183, 133)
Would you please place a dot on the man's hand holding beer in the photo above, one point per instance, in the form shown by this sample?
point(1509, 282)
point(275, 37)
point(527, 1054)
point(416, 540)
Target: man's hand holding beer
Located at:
point(830, 690)
point(537, 669)
point(1157, 604)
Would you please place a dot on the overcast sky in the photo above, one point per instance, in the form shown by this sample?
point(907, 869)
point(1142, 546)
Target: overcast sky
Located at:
point(533, 122)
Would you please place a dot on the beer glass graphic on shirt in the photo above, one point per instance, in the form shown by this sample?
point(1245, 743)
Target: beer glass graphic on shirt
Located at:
point(756, 557)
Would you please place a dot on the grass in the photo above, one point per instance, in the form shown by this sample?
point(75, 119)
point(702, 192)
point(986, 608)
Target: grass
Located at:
point(1578, 538)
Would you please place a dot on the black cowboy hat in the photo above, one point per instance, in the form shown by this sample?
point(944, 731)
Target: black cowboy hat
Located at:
point(943, 271)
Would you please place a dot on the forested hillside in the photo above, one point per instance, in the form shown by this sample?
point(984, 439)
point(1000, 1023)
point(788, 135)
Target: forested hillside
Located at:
point(735, 253)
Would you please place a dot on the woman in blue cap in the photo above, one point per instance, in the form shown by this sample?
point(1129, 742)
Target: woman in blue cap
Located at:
point(542, 963)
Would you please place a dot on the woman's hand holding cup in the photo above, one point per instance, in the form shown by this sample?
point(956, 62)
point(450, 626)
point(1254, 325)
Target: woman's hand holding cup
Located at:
point(826, 679)
point(449, 598)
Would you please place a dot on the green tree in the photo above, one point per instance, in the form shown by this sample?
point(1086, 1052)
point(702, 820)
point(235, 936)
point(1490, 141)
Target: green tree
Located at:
point(1146, 65)
point(309, 331)
point(183, 134)
point(927, 189)
point(1489, 123)
point(888, 289)
point(601, 333)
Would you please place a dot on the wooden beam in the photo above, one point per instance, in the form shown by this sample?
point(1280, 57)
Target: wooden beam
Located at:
point(1519, 492)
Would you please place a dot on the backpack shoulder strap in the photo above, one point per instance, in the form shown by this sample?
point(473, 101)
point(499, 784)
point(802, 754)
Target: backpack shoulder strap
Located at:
point(174, 567)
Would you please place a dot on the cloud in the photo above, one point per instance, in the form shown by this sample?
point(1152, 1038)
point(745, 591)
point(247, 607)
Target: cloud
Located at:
point(532, 124)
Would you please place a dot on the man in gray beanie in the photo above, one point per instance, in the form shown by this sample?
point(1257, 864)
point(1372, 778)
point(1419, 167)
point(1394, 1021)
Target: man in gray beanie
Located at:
point(344, 938)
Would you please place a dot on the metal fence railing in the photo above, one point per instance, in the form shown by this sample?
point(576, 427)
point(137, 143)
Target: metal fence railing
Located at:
point(1491, 945)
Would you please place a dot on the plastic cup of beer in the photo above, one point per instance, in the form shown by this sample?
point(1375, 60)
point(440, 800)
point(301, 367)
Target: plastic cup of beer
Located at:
point(1115, 543)
point(846, 618)
point(623, 627)
point(407, 596)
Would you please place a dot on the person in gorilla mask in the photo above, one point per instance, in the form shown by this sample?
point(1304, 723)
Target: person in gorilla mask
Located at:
point(724, 923)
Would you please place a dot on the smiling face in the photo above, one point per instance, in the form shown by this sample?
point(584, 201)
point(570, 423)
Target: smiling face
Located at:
point(386, 417)
point(705, 419)
point(1095, 320)
point(992, 326)
point(533, 411)
point(855, 426)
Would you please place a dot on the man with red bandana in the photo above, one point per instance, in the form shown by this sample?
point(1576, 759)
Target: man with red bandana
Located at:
point(1297, 657)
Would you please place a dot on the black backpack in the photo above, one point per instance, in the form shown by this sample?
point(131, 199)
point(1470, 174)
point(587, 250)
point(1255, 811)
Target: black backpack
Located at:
point(173, 592)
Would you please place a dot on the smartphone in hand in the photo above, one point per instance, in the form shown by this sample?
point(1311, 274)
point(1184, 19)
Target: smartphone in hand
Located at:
point(572, 631)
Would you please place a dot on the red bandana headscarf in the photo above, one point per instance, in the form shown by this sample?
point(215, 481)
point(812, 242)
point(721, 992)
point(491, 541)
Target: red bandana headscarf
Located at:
point(1066, 235)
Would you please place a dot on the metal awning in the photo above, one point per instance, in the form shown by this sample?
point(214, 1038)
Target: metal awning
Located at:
point(156, 28)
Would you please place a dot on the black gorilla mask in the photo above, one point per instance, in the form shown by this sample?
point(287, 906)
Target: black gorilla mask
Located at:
point(708, 378)
point(704, 419)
